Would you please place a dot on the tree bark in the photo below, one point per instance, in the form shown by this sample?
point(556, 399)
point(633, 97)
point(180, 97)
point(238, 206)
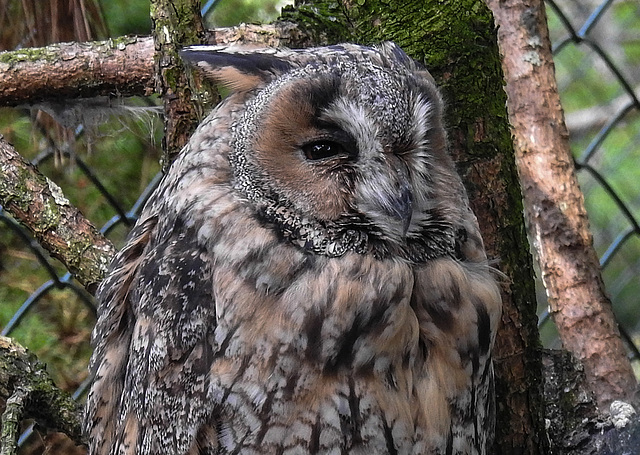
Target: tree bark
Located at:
point(60, 228)
point(557, 219)
point(119, 67)
point(29, 392)
point(177, 23)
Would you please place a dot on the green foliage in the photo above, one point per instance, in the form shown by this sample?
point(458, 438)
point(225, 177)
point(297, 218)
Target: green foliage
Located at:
point(127, 17)
point(232, 12)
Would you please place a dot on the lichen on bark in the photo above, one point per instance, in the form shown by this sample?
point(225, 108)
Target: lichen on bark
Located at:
point(60, 228)
point(29, 391)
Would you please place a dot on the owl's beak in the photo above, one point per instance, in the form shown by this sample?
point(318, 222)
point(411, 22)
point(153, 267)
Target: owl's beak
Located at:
point(402, 207)
point(387, 197)
point(398, 204)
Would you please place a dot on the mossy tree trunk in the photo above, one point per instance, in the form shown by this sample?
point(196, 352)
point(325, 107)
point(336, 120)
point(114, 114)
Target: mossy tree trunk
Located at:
point(457, 42)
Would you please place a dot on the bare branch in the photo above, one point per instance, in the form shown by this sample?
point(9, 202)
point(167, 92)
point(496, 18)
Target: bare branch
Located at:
point(554, 204)
point(69, 70)
point(60, 228)
point(122, 67)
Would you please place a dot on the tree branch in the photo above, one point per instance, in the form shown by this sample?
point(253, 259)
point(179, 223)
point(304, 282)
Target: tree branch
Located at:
point(29, 391)
point(122, 66)
point(60, 228)
point(554, 204)
point(177, 23)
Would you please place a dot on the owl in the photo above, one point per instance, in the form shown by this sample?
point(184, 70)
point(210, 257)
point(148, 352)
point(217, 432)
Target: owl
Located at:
point(308, 278)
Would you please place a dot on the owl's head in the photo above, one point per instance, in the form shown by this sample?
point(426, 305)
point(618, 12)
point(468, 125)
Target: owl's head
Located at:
point(341, 148)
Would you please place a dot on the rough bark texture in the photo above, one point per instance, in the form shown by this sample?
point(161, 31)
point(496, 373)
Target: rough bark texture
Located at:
point(574, 425)
point(287, 34)
point(122, 66)
point(28, 391)
point(60, 228)
point(570, 407)
point(457, 41)
point(557, 219)
point(177, 23)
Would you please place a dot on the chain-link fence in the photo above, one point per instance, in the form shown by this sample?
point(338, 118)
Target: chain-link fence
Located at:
point(58, 281)
point(597, 55)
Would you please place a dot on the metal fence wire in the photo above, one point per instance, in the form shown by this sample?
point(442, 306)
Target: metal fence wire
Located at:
point(597, 56)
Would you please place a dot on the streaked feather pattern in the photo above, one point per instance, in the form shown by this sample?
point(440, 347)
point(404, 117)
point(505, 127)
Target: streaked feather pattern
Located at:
point(308, 278)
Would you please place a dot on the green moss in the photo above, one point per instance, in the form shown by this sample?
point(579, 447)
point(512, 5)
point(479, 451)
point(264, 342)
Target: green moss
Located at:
point(48, 54)
point(52, 53)
point(325, 21)
point(121, 41)
point(50, 215)
point(18, 194)
point(177, 21)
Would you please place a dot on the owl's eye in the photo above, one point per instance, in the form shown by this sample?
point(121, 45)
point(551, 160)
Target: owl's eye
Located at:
point(322, 150)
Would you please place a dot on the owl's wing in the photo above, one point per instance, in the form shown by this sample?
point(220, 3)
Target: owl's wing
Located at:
point(154, 342)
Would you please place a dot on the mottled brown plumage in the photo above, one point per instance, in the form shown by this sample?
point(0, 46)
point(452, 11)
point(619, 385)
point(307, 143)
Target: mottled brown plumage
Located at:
point(308, 277)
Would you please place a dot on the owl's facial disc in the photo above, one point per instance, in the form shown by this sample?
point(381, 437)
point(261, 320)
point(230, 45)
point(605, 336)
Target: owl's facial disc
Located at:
point(338, 159)
point(383, 188)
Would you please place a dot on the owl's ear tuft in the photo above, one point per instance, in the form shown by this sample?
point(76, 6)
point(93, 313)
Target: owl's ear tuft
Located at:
point(239, 69)
point(395, 53)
